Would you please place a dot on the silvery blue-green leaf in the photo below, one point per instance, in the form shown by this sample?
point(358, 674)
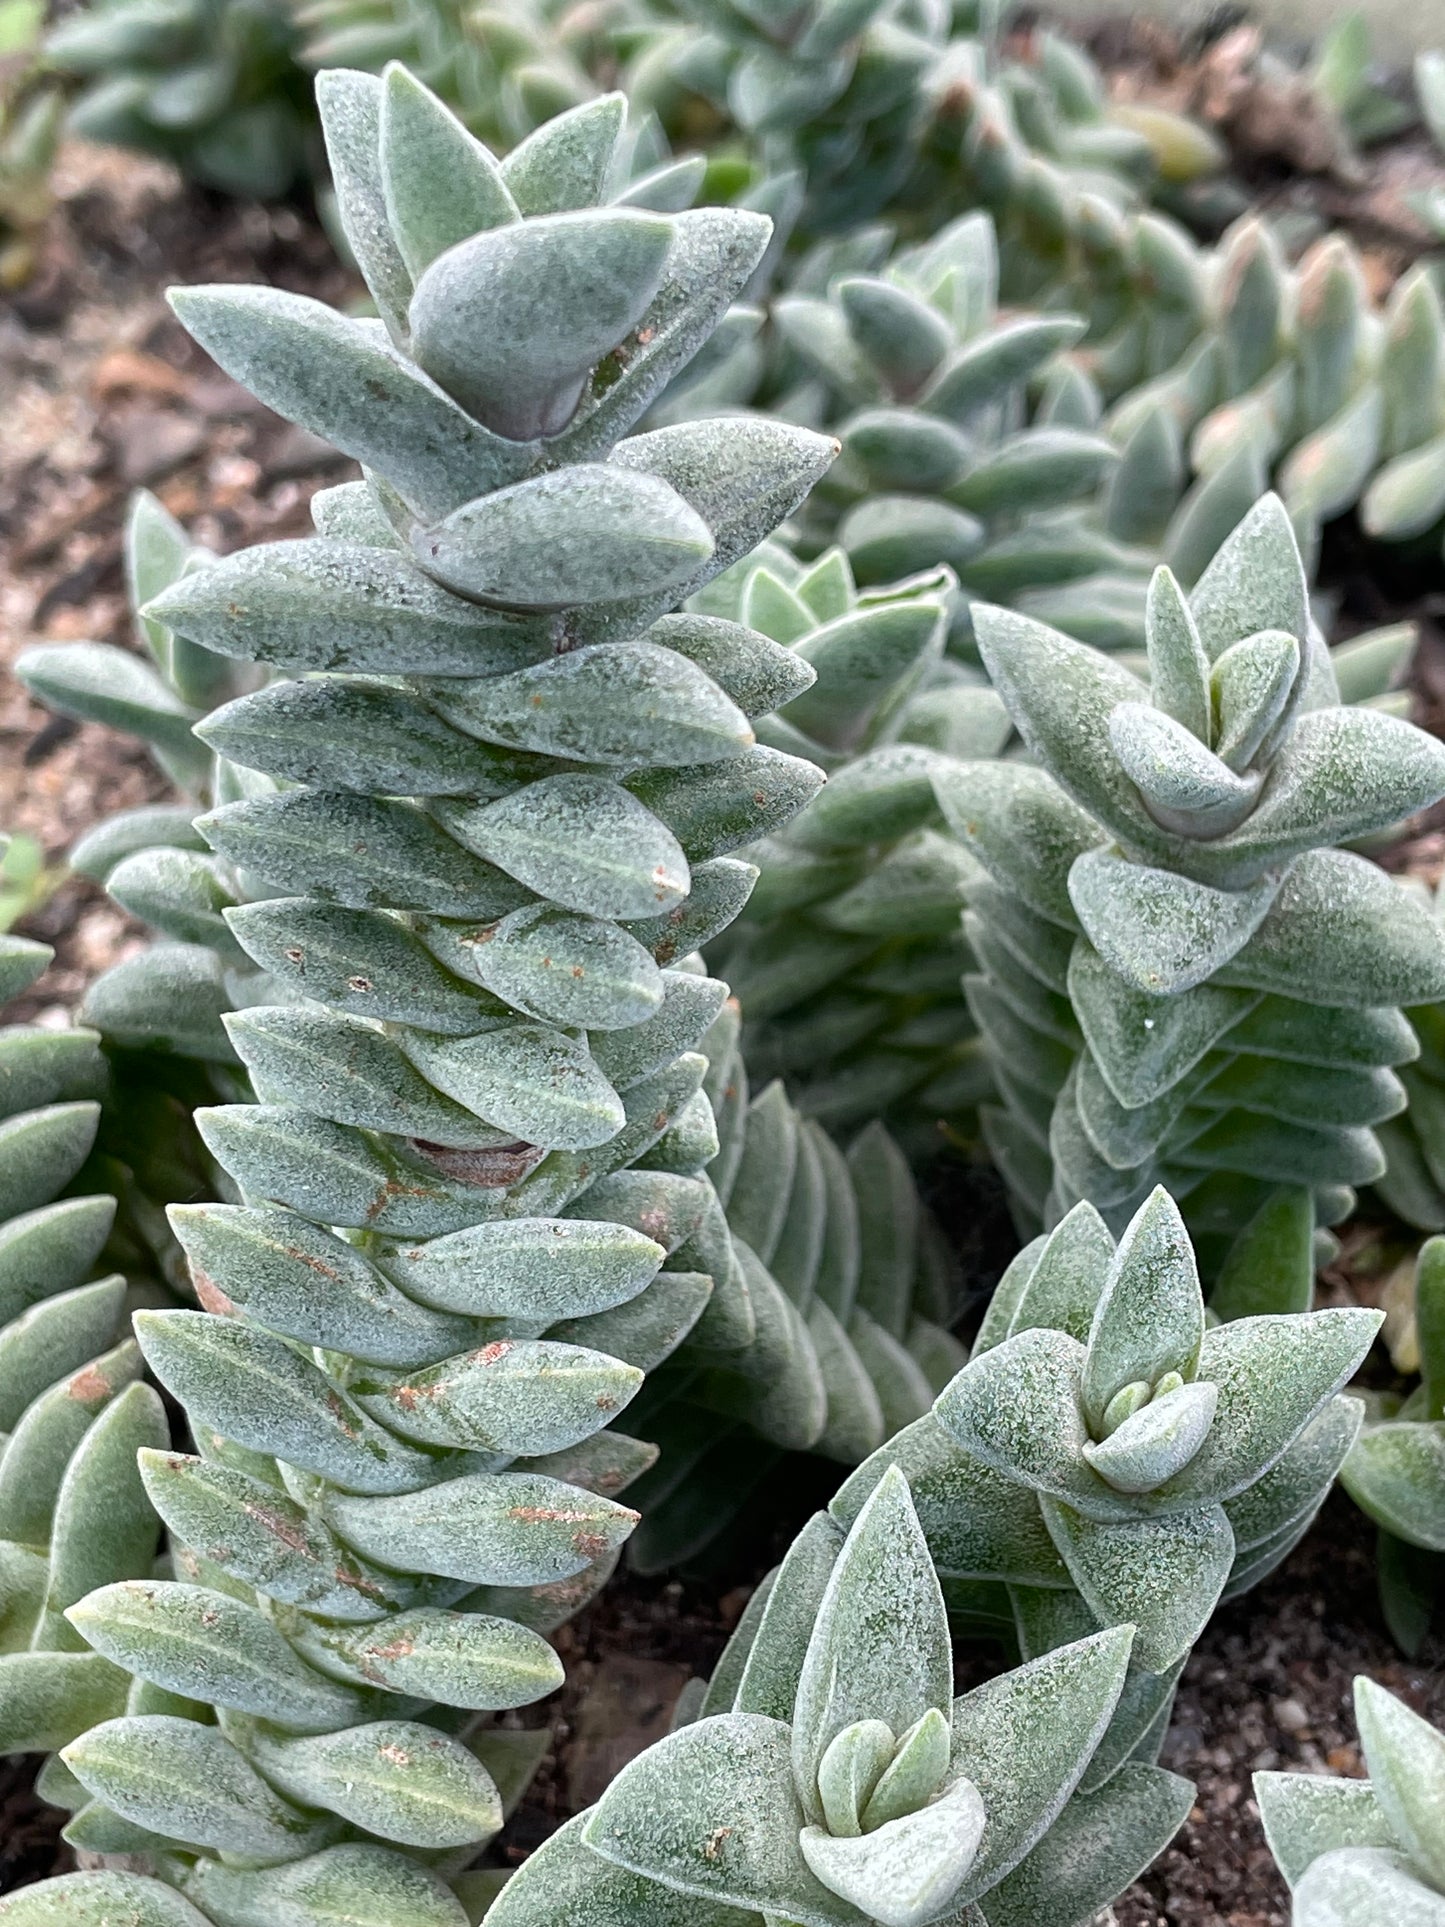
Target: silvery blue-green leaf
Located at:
point(1025, 1737)
point(440, 184)
point(21, 961)
point(880, 795)
point(974, 374)
point(346, 1069)
point(208, 1647)
point(571, 969)
point(1150, 1316)
point(718, 893)
point(372, 1884)
point(863, 1663)
point(1178, 665)
point(512, 1396)
point(361, 851)
point(1022, 828)
point(1037, 468)
point(582, 841)
point(103, 684)
point(513, 320)
point(1252, 683)
point(1326, 472)
point(1147, 481)
point(568, 1885)
point(344, 606)
point(1163, 933)
point(754, 672)
point(565, 162)
point(619, 703)
point(907, 1870)
point(50, 1250)
point(1369, 1884)
point(851, 1767)
point(343, 380)
point(396, 1778)
point(357, 960)
point(260, 1536)
point(179, 892)
point(1185, 787)
point(1396, 1474)
point(650, 1327)
point(1058, 1287)
point(859, 659)
point(54, 1339)
point(461, 1659)
point(1101, 1842)
point(301, 1281)
point(350, 108)
point(40, 1152)
point(674, 1815)
point(338, 733)
point(263, 1393)
point(1154, 1442)
point(509, 1529)
point(589, 532)
point(903, 336)
point(770, 1668)
point(188, 1782)
point(1270, 1266)
point(170, 998)
point(528, 1081)
point(1255, 582)
point(712, 808)
point(48, 1698)
point(1117, 1568)
point(38, 1452)
point(545, 1268)
point(41, 1066)
point(900, 448)
point(1307, 1814)
point(1273, 1375)
point(1017, 1408)
point(891, 535)
point(95, 1899)
point(1144, 1045)
point(1407, 496)
point(1405, 1757)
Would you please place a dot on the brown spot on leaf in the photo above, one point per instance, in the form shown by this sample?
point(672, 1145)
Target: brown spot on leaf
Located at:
point(490, 1170)
point(210, 1295)
point(87, 1384)
point(713, 1845)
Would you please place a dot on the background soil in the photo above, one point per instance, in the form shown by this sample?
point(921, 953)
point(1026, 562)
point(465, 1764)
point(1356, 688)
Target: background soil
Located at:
point(103, 393)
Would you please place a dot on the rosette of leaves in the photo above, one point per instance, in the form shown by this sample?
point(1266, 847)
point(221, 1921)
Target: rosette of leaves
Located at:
point(1365, 1853)
point(1107, 1457)
point(212, 85)
point(73, 1414)
point(493, 818)
point(830, 1777)
point(1184, 979)
point(848, 956)
point(853, 1296)
point(1396, 1471)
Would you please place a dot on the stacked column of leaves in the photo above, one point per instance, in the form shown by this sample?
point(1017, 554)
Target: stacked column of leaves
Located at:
point(1365, 1853)
point(73, 1512)
point(1183, 979)
point(1106, 1458)
point(828, 1775)
point(497, 814)
point(853, 1295)
point(1413, 1185)
point(212, 85)
point(1396, 1472)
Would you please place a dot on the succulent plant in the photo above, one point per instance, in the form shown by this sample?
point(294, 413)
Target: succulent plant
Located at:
point(497, 815)
point(829, 1776)
point(1365, 1853)
point(212, 85)
point(73, 1512)
point(853, 1296)
point(1183, 980)
point(1106, 1449)
point(1396, 1470)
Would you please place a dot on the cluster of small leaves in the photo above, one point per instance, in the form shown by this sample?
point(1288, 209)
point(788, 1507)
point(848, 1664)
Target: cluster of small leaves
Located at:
point(1107, 1458)
point(31, 110)
point(73, 1414)
point(1365, 1853)
point(1396, 1471)
point(212, 85)
point(1183, 980)
point(828, 1776)
point(473, 1184)
point(852, 1295)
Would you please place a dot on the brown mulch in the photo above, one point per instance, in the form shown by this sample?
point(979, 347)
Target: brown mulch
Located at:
point(104, 393)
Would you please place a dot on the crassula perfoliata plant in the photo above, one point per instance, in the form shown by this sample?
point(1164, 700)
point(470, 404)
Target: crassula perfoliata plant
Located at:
point(852, 1290)
point(1365, 1853)
point(73, 1512)
point(495, 785)
point(829, 1777)
point(1107, 1457)
point(1396, 1470)
point(1184, 979)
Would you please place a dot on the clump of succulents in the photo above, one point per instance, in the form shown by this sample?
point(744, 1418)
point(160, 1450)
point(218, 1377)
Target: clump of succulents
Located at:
point(495, 793)
point(1185, 980)
point(212, 85)
point(73, 1512)
point(1365, 1853)
point(852, 1293)
point(829, 1775)
point(1109, 1457)
point(1396, 1471)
